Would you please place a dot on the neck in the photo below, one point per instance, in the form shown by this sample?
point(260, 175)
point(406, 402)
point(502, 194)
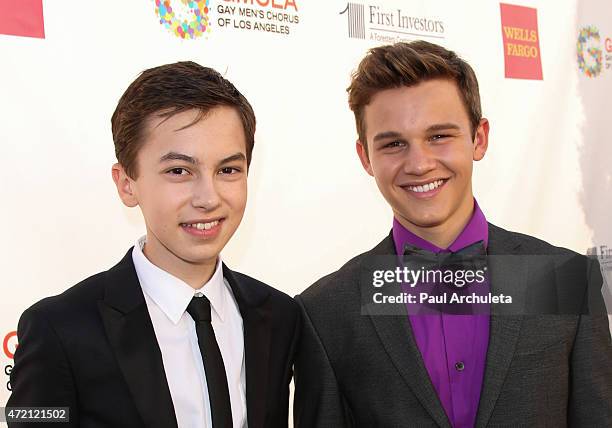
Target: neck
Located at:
point(194, 275)
point(444, 234)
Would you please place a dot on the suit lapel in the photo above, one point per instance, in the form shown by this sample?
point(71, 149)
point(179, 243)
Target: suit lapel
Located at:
point(508, 274)
point(396, 336)
point(131, 335)
point(257, 324)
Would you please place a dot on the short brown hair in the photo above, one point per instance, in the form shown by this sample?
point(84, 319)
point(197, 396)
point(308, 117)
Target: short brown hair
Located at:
point(167, 90)
point(407, 64)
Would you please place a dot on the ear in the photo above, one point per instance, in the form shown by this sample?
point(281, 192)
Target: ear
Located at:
point(124, 185)
point(363, 157)
point(481, 139)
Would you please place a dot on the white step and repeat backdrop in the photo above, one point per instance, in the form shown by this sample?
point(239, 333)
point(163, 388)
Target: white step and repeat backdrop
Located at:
point(545, 70)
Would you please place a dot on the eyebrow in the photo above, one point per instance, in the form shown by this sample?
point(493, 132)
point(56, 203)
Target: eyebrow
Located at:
point(433, 128)
point(170, 156)
point(386, 134)
point(235, 157)
point(443, 126)
point(178, 156)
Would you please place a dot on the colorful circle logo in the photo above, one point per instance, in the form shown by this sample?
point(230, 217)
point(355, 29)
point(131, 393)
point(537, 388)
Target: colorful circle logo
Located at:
point(583, 47)
point(187, 21)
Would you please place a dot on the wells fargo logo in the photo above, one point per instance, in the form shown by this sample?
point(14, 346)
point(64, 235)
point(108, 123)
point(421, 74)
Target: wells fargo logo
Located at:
point(522, 56)
point(22, 18)
point(590, 51)
point(187, 19)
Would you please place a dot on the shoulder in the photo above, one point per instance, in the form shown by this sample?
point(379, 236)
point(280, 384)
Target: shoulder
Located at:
point(77, 299)
point(82, 298)
point(529, 244)
point(76, 310)
point(273, 297)
point(571, 268)
point(343, 284)
point(338, 282)
point(65, 318)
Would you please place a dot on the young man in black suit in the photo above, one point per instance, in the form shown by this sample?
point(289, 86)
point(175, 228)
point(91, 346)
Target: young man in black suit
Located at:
point(542, 359)
point(170, 336)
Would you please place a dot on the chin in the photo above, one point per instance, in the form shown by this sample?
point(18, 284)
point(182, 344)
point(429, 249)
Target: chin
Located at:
point(425, 220)
point(201, 259)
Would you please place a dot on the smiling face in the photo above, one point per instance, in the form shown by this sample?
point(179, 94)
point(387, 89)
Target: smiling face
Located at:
point(191, 188)
point(420, 151)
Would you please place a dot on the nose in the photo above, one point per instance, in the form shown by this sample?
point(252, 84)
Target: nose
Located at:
point(205, 194)
point(419, 160)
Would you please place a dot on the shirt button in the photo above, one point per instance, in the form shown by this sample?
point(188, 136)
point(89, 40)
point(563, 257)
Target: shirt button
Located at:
point(459, 366)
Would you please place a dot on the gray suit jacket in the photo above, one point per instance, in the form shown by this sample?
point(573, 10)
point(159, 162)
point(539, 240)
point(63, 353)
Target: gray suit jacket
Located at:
point(541, 370)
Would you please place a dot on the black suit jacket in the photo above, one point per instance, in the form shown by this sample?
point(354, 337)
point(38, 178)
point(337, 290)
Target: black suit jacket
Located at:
point(360, 369)
point(93, 348)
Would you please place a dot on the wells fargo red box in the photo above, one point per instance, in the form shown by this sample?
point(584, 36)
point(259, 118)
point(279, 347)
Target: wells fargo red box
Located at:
point(22, 18)
point(522, 55)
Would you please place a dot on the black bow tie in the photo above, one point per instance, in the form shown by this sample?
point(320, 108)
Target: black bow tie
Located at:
point(471, 258)
point(471, 255)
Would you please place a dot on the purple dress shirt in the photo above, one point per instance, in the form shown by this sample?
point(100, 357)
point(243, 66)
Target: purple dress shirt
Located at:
point(453, 347)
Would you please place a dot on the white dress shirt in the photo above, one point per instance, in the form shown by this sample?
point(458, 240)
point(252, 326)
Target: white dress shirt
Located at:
point(167, 298)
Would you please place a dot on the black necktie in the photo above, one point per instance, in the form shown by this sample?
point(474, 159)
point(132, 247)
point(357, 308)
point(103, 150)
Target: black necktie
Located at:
point(218, 391)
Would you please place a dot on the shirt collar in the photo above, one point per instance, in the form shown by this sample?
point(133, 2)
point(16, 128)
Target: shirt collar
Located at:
point(475, 230)
point(172, 294)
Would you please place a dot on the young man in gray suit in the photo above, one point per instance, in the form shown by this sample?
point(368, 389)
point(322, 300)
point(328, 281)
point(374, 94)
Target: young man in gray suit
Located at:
point(544, 360)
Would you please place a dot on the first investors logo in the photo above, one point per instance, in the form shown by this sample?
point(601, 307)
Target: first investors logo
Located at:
point(384, 24)
point(187, 19)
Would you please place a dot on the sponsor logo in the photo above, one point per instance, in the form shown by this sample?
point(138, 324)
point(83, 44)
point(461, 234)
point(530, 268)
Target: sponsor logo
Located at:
point(590, 51)
point(190, 19)
point(263, 16)
point(22, 18)
point(603, 253)
point(383, 24)
point(186, 19)
point(522, 56)
point(9, 344)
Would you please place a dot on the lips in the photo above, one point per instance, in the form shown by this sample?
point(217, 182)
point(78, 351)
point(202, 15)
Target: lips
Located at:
point(204, 228)
point(425, 188)
point(202, 225)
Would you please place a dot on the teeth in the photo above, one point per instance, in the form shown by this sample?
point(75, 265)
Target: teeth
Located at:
point(203, 226)
point(426, 187)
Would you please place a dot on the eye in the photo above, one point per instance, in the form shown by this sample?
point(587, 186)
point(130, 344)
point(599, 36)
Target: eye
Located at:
point(394, 144)
point(229, 170)
point(177, 171)
point(438, 137)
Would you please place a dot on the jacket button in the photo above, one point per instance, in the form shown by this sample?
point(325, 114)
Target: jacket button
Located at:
point(459, 366)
